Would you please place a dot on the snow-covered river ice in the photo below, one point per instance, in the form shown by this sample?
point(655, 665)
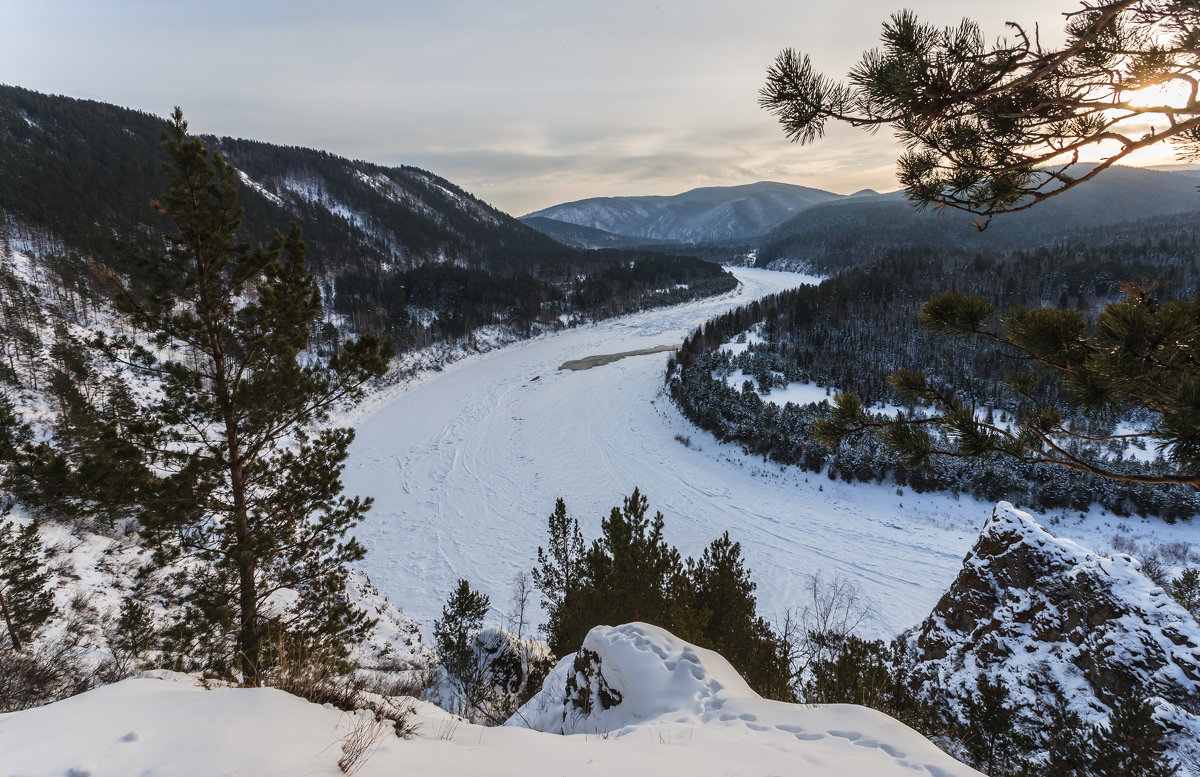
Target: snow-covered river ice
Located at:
point(465, 466)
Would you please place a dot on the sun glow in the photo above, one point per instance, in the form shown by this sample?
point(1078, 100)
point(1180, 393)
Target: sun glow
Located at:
point(1173, 94)
point(1135, 122)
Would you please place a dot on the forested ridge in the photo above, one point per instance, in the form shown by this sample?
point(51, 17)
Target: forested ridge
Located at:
point(855, 329)
point(1124, 205)
point(395, 249)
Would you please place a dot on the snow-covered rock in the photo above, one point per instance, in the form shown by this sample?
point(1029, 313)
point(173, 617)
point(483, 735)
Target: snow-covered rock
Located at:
point(507, 670)
point(393, 645)
point(1049, 616)
point(637, 680)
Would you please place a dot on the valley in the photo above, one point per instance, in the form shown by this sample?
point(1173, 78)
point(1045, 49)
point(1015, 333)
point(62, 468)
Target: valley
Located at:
point(182, 502)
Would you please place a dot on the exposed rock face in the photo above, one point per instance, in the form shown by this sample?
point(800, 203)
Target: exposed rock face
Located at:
point(587, 690)
point(513, 665)
point(1049, 616)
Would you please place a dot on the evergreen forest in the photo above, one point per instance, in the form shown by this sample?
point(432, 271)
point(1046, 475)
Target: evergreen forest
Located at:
point(858, 327)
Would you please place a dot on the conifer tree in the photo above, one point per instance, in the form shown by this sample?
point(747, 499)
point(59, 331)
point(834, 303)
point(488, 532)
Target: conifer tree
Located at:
point(992, 741)
point(1185, 589)
point(95, 465)
point(252, 479)
point(559, 577)
point(724, 600)
point(631, 573)
point(997, 127)
point(631, 567)
point(26, 600)
point(462, 618)
point(1065, 739)
point(1131, 745)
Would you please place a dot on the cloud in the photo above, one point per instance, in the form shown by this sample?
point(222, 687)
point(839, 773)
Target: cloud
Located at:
point(643, 162)
point(525, 103)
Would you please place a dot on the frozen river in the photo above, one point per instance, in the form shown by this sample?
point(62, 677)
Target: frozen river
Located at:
point(465, 466)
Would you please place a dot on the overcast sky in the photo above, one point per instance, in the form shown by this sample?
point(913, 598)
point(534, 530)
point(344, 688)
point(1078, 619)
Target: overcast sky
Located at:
point(524, 103)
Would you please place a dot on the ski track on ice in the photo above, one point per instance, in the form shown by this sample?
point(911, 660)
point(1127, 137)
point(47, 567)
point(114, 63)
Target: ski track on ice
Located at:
point(465, 465)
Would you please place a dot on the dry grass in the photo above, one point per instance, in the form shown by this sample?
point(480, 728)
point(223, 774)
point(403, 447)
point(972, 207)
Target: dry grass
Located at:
point(364, 733)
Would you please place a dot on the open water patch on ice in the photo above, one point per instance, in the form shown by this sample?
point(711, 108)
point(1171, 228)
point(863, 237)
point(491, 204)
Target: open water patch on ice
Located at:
point(599, 360)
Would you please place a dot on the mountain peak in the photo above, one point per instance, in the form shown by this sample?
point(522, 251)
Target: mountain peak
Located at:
point(706, 214)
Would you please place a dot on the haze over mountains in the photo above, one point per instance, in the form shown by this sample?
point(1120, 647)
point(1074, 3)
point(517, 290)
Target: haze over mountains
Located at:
point(698, 216)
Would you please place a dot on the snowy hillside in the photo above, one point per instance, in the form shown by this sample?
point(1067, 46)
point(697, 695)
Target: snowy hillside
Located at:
point(90, 575)
point(167, 725)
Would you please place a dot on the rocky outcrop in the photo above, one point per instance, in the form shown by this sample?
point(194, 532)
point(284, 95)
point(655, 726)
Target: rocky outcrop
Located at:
point(506, 671)
point(1051, 617)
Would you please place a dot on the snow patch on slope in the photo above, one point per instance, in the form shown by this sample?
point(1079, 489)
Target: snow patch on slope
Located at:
point(258, 187)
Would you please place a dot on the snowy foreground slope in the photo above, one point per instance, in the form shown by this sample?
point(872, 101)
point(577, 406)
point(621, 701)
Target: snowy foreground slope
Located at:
point(637, 682)
point(699, 719)
point(465, 465)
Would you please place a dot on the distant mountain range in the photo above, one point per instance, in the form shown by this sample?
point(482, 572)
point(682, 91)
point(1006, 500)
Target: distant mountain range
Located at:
point(846, 232)
point(580, 236)
point(796, 225)
point(698, 216)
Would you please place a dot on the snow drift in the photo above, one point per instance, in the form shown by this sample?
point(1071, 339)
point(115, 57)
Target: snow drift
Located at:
point(636, 680)
point(682, 710)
